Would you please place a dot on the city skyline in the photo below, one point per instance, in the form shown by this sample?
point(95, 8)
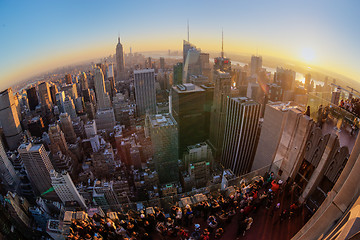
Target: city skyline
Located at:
point(321, 34)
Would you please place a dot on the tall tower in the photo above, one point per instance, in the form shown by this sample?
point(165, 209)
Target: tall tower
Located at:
point(83, 81)
point(45, 95)
point(187, 107)
point(256, 64)
point(164, 135)
point(69, 107)
point(7, 171)
point(144, 81)
point(32, 98)
point(222, 92)
point(37, 165)
point(9, 119)
point(57, 139)
point(65, 188)
point(120, 63)
point(241, 132)
point(67, 128)
point(103, 99)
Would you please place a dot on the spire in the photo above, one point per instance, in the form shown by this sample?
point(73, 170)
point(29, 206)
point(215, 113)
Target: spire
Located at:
point(222, 43)
point(119, 39)
point(188, 32)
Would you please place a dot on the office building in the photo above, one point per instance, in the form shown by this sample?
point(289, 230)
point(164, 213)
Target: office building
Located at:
point(198, 160)
point(36, 126)
point(90, 129)
point(67, 128)
point(38, 166)
point(68, 78)
point(120, 63)
point(105, 120)
point(32, 98)
point(162, 63)
point(209, 98)
point(69, 107)
point(111, 81)
point(271, 130)
point(84, 84)
point(241, 134)
point(65, 188)
point(7, 171)
point(177, 73)
point(102, 97)
point(192, 65)
point(256, 65)
point(164, 137)
point(53, 92)
point(285, 78)
point(222, 92)
point(187, 108)
point(9, 119)
point(186, 47)
point(45, 95)
point(70, 90)
point(145, 94)
point(57, 139)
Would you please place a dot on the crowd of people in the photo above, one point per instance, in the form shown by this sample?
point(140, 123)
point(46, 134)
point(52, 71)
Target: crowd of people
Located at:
point(203, 221)
point(352, 105)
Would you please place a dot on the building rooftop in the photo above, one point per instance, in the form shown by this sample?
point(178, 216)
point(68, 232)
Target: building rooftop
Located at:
point(162, 120)
point(284, 106)
point(187, 88)
point(144, 71)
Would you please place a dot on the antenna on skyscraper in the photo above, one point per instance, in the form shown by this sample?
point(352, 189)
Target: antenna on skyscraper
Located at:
point(222, 43)
point(188, 32)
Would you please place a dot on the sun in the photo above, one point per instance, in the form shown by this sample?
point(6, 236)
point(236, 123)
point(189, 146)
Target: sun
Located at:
point(308, 55)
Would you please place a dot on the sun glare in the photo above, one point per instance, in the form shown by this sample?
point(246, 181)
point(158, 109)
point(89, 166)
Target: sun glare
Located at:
point(308, 55)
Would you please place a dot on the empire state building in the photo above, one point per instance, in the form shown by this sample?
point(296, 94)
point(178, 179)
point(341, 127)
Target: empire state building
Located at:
point(120, 63)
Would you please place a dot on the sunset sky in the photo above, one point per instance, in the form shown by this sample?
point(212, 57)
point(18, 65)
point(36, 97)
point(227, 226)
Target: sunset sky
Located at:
point(36, 36)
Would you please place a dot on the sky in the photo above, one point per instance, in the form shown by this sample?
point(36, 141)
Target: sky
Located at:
point(36, 36)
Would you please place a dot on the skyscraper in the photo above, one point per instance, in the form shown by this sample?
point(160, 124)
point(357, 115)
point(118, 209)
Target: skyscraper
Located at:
point(83, 81)
point(45, 95)
point(120, 63)
point(186, 46)
point(145, 94)
point(285, 78)
point(53, 92)
point(164, 137)
point(69, 107)
point(256, 64)
point(9, 119)
point(32, 98)
point(37, 165)
point(240, 138)
point(67, 128)
point(111, 80)
point(102, 97)
point(187, 108)
point(7, 171)
point(178, 71)
point(65, 188)
point(162, 63)
point(68, 78)
point(57, 139)
point(222, 92)
point(192, 64)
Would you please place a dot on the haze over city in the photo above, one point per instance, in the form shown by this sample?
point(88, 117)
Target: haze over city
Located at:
point(37, 36)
